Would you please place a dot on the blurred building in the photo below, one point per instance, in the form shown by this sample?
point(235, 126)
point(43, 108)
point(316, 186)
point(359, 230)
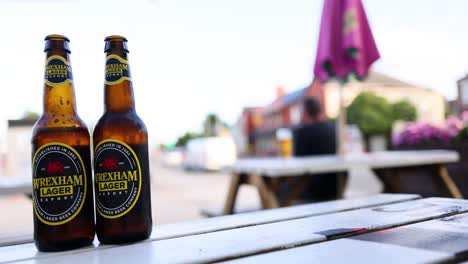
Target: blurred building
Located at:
point(19, 147)
point(461, 103)
point(242, 131)
point(260, 123)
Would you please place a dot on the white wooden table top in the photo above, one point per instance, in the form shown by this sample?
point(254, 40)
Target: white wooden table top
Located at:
point(440, 239)
point(377, 229)
point(15, 185)
point(274, 167)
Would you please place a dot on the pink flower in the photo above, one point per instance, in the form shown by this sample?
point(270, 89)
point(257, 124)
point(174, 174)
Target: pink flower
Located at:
point(420, 132)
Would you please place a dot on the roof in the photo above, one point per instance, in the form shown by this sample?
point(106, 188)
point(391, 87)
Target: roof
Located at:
point(382, 79)
point(372, 78)
point(285, 100)
point(462, 79)
point(21, 122)
point(293, 97)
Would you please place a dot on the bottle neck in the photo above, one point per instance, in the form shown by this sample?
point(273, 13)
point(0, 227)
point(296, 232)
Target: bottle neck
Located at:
point(59, 94)
point(118, 88)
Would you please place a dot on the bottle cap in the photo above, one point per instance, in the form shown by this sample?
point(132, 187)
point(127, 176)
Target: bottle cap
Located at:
point(55, 41)
point(115, 42)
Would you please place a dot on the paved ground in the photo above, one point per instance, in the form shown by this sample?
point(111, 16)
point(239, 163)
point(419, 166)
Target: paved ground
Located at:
point(177, 195)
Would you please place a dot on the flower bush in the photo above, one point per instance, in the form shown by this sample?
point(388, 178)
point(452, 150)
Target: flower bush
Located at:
point(453, 129)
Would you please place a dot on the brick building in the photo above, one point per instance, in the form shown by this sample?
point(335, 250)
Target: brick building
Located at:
point(259, 124)
point(461, 103)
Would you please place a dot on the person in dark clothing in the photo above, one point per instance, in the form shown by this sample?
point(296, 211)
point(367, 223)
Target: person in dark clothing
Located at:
point(317, 137)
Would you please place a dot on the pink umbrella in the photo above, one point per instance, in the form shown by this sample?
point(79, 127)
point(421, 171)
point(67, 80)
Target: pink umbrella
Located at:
point(346, 48)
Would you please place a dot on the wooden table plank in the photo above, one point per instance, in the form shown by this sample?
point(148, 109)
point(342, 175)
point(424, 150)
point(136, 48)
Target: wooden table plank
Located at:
point(235, 243)
point(347, 251)
point(407, 158)
point(277, 167)
point(296, 166)
point(275, 215)
point(239, 209)
point(15, 239)
point(432, 241)
point(448, 235)
point(202, 226)
point(11, 185)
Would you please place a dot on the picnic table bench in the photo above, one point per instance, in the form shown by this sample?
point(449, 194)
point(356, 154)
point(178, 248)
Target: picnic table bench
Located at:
point(266, 174)
point(379, 229)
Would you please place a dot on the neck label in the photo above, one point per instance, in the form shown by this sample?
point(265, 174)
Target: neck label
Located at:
point(57, 71)
point(117, 70)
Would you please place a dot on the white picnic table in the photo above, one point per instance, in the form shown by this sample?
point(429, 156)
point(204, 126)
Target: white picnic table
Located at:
point(10, 185)
point(278, 167)
point(387, 228)
point(266, 173)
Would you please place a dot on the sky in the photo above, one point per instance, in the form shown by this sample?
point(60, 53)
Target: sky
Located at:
point(192, 57)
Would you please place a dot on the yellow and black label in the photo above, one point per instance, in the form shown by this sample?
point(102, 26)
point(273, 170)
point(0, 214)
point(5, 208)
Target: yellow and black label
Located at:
point(57, 71)
point(59, 182)
point(117, 70)
point(118, 178)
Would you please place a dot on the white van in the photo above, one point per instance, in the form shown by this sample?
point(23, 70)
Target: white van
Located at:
point(210, 153)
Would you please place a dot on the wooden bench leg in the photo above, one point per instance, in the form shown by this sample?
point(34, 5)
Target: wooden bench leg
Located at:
point(446, 183)
point(297, 188)
point(389, 179)
point(232, 194)
point(341, 184)
point(267, 194)
point(274, 183)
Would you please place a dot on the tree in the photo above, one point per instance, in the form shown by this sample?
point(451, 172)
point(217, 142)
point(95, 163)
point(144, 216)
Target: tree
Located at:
point(404, 111)
point(182, 140)
point(30, 115)
point(371, 113)
point(213, 125)
point(210, 124)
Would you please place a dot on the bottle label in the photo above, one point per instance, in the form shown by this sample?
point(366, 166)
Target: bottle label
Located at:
point(117, 178)
point(59, 183)
point(57, 71)
point(116, 70)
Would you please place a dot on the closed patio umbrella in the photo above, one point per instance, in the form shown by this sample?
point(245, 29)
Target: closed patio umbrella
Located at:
point(346, 48)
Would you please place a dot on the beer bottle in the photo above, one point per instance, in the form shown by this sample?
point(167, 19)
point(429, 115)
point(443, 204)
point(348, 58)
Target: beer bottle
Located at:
point(61, 162)
point(121, 165)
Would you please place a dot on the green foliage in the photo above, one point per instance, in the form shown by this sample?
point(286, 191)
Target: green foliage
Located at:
point(211, 126)
point(462, 134)
point(371, 113)
point(182, 141)
point(30, 115)
point(404, 111)
point(449, 111)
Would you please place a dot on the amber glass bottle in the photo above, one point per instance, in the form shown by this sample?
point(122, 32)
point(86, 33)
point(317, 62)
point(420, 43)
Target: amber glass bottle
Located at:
point(121, 165)
point(61, 162)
